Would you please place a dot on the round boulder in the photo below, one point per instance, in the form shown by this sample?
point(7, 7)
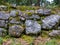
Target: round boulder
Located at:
point(15, 30)
point(32, 27)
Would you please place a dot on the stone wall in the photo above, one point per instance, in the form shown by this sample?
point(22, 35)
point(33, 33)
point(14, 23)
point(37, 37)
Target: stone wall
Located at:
point(16, 22)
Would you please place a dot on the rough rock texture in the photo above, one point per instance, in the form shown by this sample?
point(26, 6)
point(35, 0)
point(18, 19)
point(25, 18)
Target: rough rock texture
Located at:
point(44, 12)
point(15, 30)
point(19, 12)
point(3, 23)
point(13, 13)
point(2, 7)
point(3, 32)
point(32, 27)
point(4, 16)
point(15, 21)
point(55, 33)
point(50, 21)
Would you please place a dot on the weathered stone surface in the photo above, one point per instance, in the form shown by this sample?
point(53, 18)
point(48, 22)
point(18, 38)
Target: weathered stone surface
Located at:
point(3, 24)
point(4, 15)
point(2, 32)
point(55, 33)
point(2, 7)
point(20, 13)
point(36, 17)
point(13, 5)
point(15, 30)
point(15, 21)
point(33, 17)
point(44, 12)
point(50, 21)
point(32, 27)
point(31, 11)
point(13, 13)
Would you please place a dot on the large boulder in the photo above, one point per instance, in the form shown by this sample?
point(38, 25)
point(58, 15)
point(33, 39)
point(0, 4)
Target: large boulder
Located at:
point(32, 27)
point(4, 16)
point(3, 32)
point(44, 12)
point(15, 30)
point(54, 33)
point(50, 22)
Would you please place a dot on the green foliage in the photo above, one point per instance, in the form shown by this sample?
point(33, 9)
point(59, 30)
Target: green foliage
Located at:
point(29, 39)
point(1, 40)
point(51, 42)
point(24, 8)
point(57, 2)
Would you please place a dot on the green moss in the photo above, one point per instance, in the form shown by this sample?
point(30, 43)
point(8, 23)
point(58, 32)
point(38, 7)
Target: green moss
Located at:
point(10, 18)
point(1, 40)
point(24, 8)
point(29, 13)
point(52, 42)
point(29, 39)
point(17, 18)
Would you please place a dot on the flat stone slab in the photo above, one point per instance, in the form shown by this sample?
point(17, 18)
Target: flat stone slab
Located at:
point(44, 12)
point(54, 33)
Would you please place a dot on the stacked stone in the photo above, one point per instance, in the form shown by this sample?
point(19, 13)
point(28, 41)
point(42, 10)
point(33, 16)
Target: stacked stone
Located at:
point(15, 28)
point(3, 23)
point(32, 25)
point(51, 22)
point(43, 12)
point(16, 21)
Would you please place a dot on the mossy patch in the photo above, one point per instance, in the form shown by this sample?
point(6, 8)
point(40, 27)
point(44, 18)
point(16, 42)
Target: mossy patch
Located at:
point(27, 38)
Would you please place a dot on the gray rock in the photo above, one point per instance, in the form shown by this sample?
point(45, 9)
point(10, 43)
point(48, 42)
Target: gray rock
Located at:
point(13, 13)
point(50, 21)
point(31, 11)
point(3, 24)
point(15, 30)
point(20, 13)
point(15, 21)
point(55, 33)
point(32, 27)
point(13, 5)
point(36, 17)
point(4, 15)
point(3, 32)
point(22, 18)
point(44, 12)
point(2, 7)
point(58, 28)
